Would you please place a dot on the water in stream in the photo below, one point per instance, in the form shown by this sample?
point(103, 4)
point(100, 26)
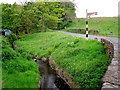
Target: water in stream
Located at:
point(50, 79)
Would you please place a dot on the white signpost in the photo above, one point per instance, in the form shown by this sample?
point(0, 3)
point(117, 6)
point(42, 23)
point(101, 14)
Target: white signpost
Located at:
point(88, 15)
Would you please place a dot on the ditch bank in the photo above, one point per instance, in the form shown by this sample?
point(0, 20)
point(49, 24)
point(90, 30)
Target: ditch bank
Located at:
point(56, 78)
point(63, 74)
point(53, 77)
point(110, 79)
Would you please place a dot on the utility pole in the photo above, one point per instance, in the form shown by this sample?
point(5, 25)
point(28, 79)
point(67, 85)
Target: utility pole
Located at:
point(88, 15)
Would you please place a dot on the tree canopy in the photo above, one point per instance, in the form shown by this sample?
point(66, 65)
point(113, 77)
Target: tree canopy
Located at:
point(37, 16)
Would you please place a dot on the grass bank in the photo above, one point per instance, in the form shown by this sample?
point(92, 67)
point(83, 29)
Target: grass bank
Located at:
point(18, 68)
point(106, 26)
point(85, 61)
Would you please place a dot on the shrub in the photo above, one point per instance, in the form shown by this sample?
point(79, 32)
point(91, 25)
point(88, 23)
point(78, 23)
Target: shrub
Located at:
point(11, 38)
point(5, 42)
point(16, 69)
point(8, 53)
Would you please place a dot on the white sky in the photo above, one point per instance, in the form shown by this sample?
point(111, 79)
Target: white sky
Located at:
point(106, 8)
point(12, 1)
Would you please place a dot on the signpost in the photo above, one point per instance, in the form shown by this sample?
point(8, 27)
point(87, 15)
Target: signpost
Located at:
point(88, 15)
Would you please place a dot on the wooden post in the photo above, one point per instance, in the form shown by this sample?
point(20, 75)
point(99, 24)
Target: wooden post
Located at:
point(87, 15)
point(86, 25)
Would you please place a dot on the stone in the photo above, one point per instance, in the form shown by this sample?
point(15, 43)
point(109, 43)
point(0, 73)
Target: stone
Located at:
point(114, 63)
point(108, 85)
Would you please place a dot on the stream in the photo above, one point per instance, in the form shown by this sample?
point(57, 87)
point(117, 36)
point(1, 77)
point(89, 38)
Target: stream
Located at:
point(50, 79)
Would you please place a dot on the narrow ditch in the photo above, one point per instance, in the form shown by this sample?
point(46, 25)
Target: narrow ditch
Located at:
point(50, 79)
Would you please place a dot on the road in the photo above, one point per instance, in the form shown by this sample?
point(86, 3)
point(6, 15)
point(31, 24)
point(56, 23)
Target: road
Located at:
point(111, 78)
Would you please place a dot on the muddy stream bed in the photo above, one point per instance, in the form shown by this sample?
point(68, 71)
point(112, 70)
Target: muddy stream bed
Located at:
point(50, 79)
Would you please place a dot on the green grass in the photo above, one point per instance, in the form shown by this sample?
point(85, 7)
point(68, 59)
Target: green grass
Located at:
point(18, 71)
point(105, 25)
point(84, 60)
point(0, 62)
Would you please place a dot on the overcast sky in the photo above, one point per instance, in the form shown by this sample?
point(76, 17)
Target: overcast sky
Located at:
point(106, 8)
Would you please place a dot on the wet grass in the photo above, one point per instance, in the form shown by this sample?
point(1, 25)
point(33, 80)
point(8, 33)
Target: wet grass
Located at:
point(84, 60)
point(107, 26)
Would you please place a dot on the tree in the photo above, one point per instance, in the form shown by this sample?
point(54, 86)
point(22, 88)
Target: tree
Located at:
point(6, 16)
point(36, 16)
point(69, 12)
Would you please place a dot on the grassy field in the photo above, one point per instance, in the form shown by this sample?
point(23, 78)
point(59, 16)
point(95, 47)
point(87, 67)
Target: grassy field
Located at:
point(85, 61)
point(18, 68)
point(107, 26)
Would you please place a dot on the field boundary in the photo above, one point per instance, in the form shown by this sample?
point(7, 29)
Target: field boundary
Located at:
point(109, 80)
point(111, 77)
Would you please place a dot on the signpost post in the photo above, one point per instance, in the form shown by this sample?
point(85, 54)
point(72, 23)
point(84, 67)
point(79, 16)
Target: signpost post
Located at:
point(88, 15)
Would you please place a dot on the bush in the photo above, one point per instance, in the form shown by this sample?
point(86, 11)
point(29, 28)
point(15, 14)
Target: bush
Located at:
point(5, 42)
point(8, 53)
point(16, 69)
point(11, 38)
point(19, 64)
point(61, 25)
